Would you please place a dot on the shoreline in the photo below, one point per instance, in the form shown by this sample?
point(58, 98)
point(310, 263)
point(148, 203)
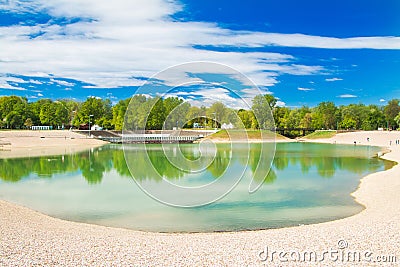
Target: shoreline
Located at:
point(26, 143)
point(47, 240)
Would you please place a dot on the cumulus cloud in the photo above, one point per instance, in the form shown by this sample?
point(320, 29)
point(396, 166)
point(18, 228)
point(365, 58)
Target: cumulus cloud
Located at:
point(121, 40)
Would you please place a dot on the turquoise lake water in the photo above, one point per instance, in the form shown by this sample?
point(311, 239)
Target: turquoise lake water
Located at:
point(308, 183)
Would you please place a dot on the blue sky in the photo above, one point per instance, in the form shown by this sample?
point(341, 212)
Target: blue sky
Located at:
point(302, 52)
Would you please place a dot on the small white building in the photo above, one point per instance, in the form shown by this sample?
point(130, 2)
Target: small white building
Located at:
point(96, 128)
point(227, 126)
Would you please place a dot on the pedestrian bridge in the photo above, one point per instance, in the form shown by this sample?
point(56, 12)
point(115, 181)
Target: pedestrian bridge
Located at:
point(151, 138)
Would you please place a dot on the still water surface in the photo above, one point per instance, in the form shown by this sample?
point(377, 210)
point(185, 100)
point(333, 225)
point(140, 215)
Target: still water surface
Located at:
point(308, 183)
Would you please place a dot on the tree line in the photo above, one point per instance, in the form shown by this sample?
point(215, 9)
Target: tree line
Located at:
point(155, 113)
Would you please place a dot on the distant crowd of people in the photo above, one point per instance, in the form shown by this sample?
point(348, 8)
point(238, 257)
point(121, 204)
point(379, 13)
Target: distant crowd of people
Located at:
point(397, 142)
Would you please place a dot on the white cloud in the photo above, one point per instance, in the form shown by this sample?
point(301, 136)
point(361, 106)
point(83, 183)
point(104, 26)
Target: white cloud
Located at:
point(39, 94)
point(382, 100)
point(119, 39)
point(347, 96)
point(208, 96)
point(92, 96)
point(260, 39)
point(34, 81)
point(124, 42)
point(110, 96)
point(305, 89)
point(11, 87)
point(4, 83)
point(61, 82)
point(333, 79)
point(280, 103)
point(14, 79)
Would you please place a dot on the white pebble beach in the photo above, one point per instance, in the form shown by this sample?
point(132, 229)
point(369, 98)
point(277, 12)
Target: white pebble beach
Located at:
point(29, 238)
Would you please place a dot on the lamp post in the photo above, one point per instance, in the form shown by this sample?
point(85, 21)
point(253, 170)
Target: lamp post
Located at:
point(89, 123)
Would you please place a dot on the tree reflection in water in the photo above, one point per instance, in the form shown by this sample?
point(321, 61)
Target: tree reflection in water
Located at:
point(95, 163)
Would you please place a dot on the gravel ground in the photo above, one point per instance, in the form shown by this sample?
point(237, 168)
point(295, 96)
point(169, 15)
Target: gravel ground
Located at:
point(16, 144)
point(28, 238)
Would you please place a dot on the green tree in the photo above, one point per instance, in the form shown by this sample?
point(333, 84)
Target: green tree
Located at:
point(280, 116)
point(349, 123)
point(47, 111)
point(14, 120)
point(397, 119)
point(72, 107)
point(155, 113)
point(306, 121)
point(136, 113)
point(217, 113)
point(247, 118)
point(195, 115)
point(271, 100)
point(374, 119)
point(293, 119)
point(36, 107)
point(118, 112)
point(391, 110)
point(28, 123)
point(262, 108)
point(175, 112)
point(325, 116)
point(13, 111)
point(353, 116)
point(61, 114)
point(100, 109)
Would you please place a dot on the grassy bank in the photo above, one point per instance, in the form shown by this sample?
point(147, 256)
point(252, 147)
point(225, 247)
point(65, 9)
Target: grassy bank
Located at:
point(249, 134)
point(321, 134)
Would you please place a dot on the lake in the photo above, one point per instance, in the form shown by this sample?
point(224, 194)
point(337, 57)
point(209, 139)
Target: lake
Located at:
point(308, 183)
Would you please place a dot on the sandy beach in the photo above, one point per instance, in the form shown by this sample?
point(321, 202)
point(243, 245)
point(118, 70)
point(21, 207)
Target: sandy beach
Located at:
point(28, 238)
point(14, 144)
